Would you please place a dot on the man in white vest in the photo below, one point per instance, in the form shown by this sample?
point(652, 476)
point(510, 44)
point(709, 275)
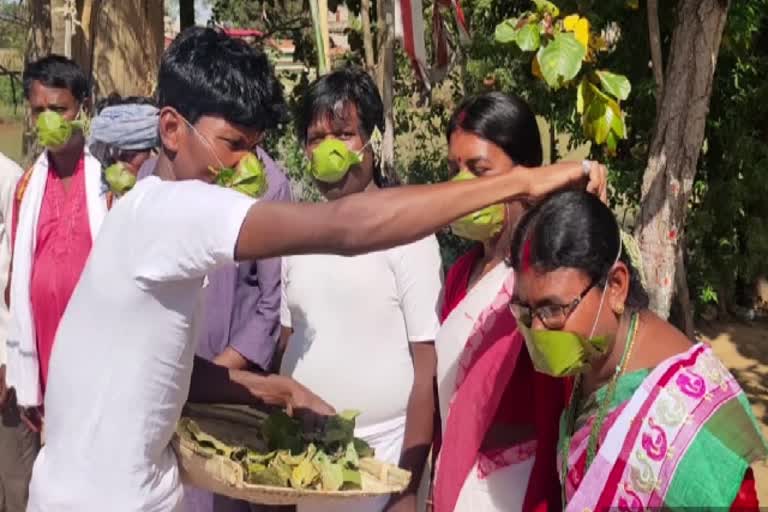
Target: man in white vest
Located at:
point(18, 445)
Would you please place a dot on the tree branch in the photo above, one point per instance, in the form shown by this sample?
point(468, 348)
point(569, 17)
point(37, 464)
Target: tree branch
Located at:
point(365, 14)
point(654, 38)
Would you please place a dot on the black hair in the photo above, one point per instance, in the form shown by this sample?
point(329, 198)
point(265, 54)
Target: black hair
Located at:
point(574, 229)
point(206, 72)
point(59, 72)
point(115, 99)
point(329, 94)
point(503, 119)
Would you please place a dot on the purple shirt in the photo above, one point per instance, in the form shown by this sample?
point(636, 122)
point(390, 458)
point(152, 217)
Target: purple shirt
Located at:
point(242, 311)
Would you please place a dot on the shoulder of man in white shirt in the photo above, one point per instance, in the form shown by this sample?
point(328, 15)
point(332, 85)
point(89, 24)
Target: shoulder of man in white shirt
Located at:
point(10, 172)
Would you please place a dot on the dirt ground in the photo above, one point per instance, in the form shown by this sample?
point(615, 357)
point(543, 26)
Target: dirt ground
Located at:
point(743, 347)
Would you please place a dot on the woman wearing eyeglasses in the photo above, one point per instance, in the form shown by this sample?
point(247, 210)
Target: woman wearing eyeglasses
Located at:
point(654, 421)
point(498, 417)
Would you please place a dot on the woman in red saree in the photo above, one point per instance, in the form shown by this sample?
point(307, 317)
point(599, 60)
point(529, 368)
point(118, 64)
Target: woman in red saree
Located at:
point(498, 417)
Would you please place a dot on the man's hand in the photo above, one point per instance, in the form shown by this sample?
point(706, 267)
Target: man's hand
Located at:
point(4, 391)
point(588, 175)
point(286, 392)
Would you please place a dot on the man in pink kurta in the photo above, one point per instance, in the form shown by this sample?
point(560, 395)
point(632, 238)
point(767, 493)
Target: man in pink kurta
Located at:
point(62, 247)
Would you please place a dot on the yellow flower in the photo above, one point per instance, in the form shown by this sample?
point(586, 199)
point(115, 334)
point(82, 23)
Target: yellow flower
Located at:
point(580, 28)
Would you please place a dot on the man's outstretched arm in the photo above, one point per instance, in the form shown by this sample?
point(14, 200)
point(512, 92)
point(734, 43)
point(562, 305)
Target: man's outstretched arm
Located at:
point(380, 219)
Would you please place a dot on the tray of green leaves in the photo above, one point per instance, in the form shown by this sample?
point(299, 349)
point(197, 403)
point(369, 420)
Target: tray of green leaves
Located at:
point(275, 459)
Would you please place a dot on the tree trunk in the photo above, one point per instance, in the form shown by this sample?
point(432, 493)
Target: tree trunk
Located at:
point(677, 142)
point(683, 293)
point(126, 45)
point(365, 15)
point(385, 77)
point(657, 61)
point(186, 13)
point(39, 43)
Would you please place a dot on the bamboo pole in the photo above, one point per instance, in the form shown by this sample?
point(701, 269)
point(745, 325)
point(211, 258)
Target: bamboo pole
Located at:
point(316, 26)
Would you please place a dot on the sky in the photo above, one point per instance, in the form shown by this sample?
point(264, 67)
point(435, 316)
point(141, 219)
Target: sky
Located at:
point(202, 10)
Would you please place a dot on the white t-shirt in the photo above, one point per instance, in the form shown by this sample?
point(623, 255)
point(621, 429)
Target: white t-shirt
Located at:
point(121, 365)
point(352, 319)
point(9, 175)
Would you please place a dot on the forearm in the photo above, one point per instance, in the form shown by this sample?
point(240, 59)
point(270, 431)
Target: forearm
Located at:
point(232, 359)
point(419, 429)
point(212, 383)
point(369, 221)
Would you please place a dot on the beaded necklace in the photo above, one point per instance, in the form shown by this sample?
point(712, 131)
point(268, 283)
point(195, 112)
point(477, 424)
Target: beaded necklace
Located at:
point(576, 396)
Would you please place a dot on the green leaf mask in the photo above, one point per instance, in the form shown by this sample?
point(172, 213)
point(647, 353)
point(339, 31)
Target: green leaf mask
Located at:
point(249, 176)
point(331, 161)
point(119, 179)
point(53, 130)
point(482, 224)
point(561, 353)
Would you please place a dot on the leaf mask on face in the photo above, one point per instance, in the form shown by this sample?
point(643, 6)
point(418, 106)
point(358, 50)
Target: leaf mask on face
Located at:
point(55, 131)
point(119, 178)
point(480, 225)
point(332, 159)
point(248, 176)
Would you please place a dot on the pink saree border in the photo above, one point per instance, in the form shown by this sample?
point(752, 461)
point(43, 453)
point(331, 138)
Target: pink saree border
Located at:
point(600, 484)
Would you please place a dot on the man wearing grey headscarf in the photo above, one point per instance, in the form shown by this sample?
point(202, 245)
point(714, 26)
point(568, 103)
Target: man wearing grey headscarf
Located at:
point(125, 132)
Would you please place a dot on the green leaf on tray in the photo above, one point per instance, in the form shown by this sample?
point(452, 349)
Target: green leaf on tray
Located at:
point(327, 459)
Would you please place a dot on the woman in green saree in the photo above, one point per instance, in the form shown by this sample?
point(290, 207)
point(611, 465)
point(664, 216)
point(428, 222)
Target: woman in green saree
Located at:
point(654, 421)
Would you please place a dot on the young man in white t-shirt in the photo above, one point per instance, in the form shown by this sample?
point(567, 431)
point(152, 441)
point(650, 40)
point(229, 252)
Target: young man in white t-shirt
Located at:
point(123, 363)
point(370, 319)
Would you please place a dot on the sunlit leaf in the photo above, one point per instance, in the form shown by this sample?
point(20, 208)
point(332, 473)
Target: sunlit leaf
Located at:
point(561, 59)
point(602, 117)
point(528, 38)
point(506, 31)
point(614, 84)
point(581, 91)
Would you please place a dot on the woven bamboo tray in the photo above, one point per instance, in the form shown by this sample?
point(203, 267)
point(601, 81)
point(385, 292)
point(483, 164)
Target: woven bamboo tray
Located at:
point(223, 476)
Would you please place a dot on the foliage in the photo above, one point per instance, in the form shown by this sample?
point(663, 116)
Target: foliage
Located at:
point(566, 48)
point(728, 223)
point(277, 19)
point(7, 96)
point(13, 25)
point(727, 230)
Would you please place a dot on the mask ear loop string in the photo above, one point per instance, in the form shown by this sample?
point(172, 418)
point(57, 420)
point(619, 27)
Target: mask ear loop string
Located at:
point(602, 298)
point(205, 141)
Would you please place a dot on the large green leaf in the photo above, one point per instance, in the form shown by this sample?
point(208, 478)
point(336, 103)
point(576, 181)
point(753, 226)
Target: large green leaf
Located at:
point(561, 59)
point(528, 37)
point(602, 116)
point(506, 31)
point(616, 85)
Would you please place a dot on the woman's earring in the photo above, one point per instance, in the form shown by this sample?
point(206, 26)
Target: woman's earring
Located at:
point(618, 309)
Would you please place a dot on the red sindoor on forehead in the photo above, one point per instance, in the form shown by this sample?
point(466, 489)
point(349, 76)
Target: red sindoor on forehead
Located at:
point(525, 261)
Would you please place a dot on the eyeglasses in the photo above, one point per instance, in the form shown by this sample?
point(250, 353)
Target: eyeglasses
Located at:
point(553, 316)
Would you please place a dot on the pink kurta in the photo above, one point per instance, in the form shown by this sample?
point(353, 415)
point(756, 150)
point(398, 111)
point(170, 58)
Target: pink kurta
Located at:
point(61, 249)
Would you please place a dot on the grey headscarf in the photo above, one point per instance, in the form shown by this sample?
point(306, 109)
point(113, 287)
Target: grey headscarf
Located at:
point(130, 127)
